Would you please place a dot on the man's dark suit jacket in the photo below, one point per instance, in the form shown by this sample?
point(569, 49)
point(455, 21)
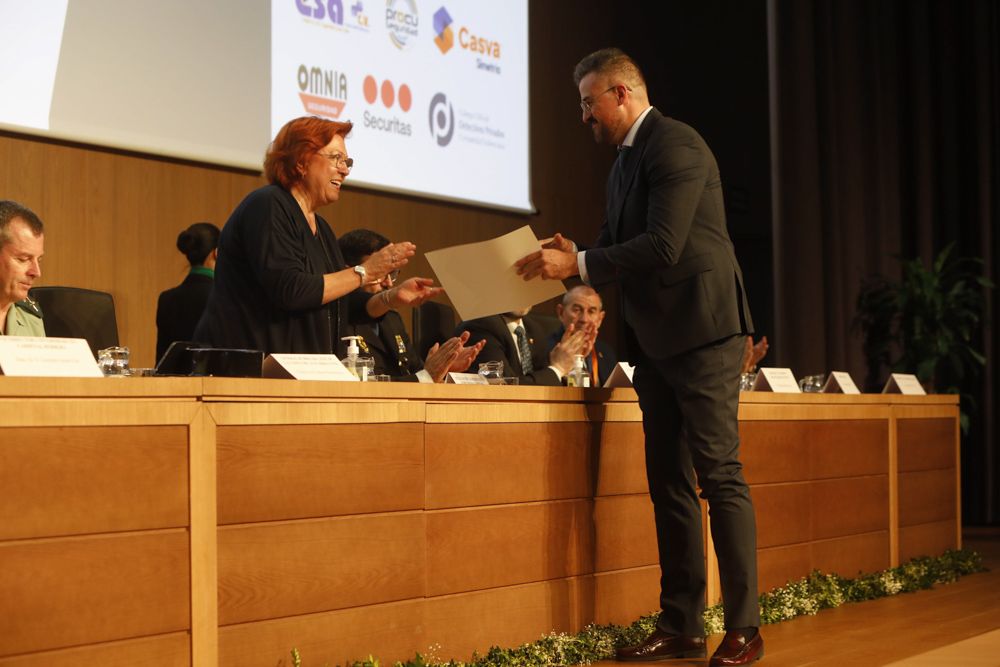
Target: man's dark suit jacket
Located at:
point(385, 348)
point(607, 359)
point(178, 310)
point(666, 244)
point(500, 347)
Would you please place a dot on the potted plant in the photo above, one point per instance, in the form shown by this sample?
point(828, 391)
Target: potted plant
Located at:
point(925, 324)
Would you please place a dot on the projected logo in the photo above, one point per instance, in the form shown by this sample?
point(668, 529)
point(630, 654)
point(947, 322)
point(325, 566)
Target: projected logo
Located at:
point(391, 96)
point(322, 9)
point(323, 91)
point(485, 49)
point(388, 93)
point(442, 119)
point(444, 37)
point(402, 22)
point(358, 16)
point(330, 14)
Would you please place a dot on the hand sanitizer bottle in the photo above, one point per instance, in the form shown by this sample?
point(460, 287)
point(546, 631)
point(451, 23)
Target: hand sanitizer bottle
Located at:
point(578, 377)
point(351, 360)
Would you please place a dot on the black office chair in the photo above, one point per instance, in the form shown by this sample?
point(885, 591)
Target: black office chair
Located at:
point(74, 312)
point(432, 323)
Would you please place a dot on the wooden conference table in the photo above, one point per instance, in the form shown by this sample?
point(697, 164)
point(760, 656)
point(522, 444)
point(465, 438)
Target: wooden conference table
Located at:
point(213, 521)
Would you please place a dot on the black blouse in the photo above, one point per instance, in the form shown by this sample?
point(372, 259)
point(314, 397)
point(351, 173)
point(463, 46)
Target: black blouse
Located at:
point(269, 281)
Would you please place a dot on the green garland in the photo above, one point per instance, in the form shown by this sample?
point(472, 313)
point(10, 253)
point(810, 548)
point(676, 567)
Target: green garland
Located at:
point(803, 597)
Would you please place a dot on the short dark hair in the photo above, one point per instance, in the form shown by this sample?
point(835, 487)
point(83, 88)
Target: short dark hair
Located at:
point(11, 209)
point(357, 243)
point(613, 62)
point(197, 241)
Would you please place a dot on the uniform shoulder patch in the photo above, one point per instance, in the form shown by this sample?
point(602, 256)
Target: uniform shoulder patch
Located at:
point(31, 307)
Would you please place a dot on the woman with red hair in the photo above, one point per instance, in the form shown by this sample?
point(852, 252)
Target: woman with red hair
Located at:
point(281, 284)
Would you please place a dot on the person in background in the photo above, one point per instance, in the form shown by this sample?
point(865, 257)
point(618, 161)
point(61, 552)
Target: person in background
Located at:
point(753, 353)
point(22, 244)
point(178, 309)
point(582, 306)
point(386, 340)
point(281, 284)
point(521, 345)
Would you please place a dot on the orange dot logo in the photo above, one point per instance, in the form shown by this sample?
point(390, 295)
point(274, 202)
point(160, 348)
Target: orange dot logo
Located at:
point(370, 89)
point(388, 93)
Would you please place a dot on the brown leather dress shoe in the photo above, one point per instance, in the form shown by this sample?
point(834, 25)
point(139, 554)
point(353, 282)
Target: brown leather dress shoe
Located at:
point(660, 646)
point(736, 649)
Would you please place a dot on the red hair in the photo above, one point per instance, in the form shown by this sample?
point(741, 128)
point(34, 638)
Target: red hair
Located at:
point(298, 140)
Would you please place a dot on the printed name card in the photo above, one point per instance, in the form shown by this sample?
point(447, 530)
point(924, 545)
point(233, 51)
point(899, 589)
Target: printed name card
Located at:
point(467, 378)
point(29, 356)
point(779, 380)
point(325, 367)
point(621, 376)
point(840, 382)
point(904, 383)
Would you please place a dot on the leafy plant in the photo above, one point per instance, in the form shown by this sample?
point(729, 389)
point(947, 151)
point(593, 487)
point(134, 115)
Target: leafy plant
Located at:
point(930, 317)
point(807, 596)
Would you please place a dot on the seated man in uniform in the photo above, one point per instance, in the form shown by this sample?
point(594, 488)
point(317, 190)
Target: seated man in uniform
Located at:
point(21, 248)
point(582, 306)
point(386, 340)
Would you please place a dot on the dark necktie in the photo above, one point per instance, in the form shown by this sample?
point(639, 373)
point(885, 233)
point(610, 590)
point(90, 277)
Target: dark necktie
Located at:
point(618, 173)
point(523, 350)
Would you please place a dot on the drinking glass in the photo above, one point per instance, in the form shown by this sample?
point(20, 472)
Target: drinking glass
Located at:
point(113, 361)
point(366, 368)
point(492, 371)
point(812, 384)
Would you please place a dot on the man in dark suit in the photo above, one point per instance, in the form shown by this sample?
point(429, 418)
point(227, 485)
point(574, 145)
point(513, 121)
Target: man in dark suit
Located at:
point(582, 305)
point(685, 316)
point(519, 342)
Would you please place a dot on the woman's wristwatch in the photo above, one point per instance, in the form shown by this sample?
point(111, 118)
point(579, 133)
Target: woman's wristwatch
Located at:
point(360, 270)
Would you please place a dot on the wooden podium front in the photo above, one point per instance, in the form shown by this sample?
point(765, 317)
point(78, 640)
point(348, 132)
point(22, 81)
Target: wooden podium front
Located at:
point(176, 521)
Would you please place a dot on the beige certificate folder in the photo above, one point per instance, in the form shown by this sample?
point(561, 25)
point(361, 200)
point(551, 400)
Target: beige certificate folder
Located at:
point(481, 280)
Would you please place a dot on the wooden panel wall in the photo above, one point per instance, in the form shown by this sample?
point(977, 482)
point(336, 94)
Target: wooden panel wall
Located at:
point(821, 494)
point(94, 540)
point(928, 486)
point(355, 526)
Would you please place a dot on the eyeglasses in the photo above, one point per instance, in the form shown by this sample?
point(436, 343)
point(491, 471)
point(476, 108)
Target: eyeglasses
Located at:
point(339, 160)
point(587, 105)
point(392, 277)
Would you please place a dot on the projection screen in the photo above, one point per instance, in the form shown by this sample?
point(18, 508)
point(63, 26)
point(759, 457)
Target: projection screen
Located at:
point(437, 91)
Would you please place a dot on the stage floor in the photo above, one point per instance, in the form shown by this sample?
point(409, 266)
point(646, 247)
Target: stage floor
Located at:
point(954, 624)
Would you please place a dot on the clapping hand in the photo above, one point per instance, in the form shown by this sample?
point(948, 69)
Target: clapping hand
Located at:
point(574, 341)
point(390, 258)
point(451, 356)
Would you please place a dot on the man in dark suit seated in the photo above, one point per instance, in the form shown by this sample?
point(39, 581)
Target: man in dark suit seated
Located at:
point(386, 340)
point(580, 306)
point(520, 343)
